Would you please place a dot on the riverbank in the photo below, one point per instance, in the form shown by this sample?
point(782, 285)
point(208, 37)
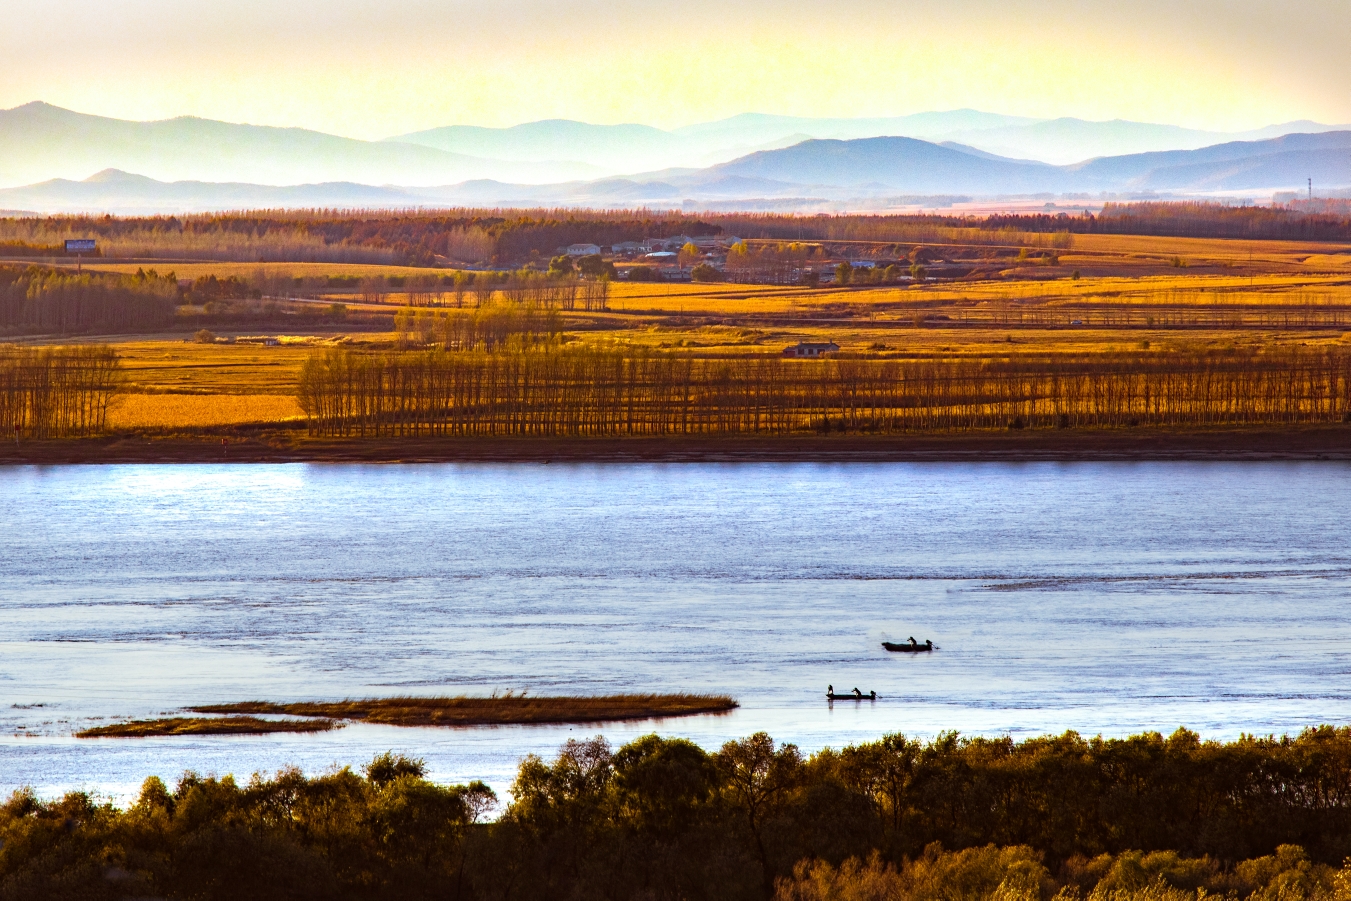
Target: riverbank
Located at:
point(1332, 442)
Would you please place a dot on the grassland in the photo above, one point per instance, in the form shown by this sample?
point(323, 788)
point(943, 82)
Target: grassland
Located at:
point(507, 709)
point(225, 725)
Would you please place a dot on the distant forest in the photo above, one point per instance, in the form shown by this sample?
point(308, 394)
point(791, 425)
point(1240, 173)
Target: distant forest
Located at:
point(513, 237)
point(40, 300)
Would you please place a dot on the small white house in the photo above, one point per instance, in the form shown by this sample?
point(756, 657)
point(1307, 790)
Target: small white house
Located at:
point(582, 250)
point(811, 349)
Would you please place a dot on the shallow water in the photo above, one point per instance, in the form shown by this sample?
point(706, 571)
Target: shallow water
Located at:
point(1107, 598)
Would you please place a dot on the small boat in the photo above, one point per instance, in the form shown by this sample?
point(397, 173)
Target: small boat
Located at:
point(910, 647)
point(854, 695)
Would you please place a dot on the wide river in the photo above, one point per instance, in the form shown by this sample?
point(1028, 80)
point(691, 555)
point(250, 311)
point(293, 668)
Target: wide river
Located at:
point(1105, 598)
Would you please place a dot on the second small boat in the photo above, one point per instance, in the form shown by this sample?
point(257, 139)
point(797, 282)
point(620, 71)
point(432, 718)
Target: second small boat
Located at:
point(855, 695)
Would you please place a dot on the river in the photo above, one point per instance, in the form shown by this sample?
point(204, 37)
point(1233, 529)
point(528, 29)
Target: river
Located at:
point(1103, 597)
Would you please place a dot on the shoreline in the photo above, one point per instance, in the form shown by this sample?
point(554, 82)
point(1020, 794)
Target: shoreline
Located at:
point(1324, 442)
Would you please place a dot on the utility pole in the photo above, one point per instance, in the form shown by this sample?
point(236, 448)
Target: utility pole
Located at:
point(1311, 189)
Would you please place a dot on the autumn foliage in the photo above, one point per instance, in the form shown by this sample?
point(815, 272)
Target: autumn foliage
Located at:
point(1145, 818)
point(37, 299)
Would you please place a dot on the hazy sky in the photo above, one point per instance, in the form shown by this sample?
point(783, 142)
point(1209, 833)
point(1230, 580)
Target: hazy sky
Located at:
point(372, 68)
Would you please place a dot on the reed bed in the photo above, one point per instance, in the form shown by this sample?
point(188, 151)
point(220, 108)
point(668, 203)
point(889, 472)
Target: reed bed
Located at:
point(508, 709)
point(226, 725)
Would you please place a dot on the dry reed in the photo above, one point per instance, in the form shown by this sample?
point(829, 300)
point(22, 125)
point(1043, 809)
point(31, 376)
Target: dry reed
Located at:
point(505, 709)
point(227, 725)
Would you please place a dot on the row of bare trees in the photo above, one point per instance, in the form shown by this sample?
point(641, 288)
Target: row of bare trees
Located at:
point(57, 392)
point(523, 288)
point(483, 328)
point(549, 389)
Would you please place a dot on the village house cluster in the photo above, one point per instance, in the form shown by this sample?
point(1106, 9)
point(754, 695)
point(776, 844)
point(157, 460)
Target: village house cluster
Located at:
point(663, 254)
point(680, 257)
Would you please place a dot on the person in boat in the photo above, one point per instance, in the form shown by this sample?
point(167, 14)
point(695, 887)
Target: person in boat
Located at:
point(929, 644)
point(857, 693)
point(913, 643)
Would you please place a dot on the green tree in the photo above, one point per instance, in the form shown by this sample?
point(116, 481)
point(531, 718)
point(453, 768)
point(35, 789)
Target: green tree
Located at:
point(704, 272)
point(561, 266)
point(756, 780)
point(595, 266)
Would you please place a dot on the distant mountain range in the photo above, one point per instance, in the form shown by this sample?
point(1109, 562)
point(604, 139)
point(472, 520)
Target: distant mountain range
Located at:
point(40, 142)
point(192, 164)
point(636, 148)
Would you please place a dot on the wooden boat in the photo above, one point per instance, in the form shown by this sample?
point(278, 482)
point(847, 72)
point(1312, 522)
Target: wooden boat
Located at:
point(854, 695)
point(908, 648)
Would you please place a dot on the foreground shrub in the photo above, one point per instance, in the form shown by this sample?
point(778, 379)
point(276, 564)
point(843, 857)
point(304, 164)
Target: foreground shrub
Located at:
point(1146, 818)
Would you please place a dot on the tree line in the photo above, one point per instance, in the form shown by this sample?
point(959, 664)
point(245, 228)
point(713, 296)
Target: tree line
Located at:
point(1318, 221)
point(553, 389)
point(36, 299)
point(510, 237)
point(404, 237)
point(56, 392)
point(1145, 818)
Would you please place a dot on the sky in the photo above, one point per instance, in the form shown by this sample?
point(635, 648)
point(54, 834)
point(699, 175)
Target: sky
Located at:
point(376, 68)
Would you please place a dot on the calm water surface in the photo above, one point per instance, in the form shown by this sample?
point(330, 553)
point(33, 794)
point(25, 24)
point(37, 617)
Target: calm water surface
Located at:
point(1107, 598)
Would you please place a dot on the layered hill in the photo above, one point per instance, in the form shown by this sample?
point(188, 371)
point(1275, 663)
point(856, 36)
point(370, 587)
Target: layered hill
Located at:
point(866, 173)
point(115, 191)
point(891, 164)
point(39, 142)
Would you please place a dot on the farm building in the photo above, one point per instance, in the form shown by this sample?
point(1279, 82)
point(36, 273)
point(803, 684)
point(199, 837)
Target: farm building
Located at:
point(810, 349)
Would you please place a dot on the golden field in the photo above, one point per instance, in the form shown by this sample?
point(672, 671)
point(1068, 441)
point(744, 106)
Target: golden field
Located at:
point(199, 411)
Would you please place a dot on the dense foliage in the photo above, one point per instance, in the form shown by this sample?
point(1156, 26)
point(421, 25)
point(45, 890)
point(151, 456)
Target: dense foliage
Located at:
point(52, 301)
point(662, 818)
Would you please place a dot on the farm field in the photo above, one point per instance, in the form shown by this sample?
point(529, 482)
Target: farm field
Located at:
point(1093, 303)
point(175, 382)
point(200, 411)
